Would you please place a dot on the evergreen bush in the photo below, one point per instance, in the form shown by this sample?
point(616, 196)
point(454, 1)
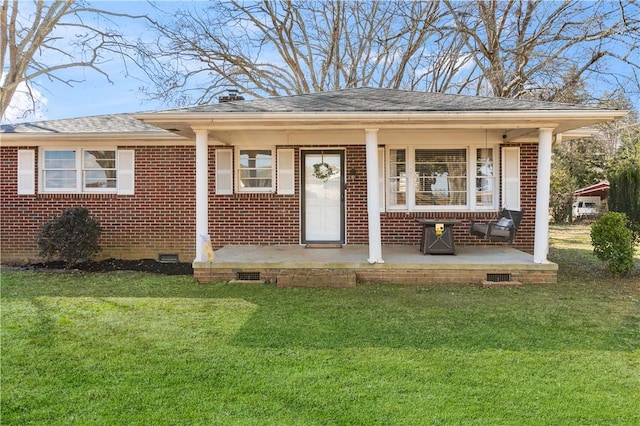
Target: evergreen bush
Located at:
point(612, 241)
point(624, 194)
point(71, 237)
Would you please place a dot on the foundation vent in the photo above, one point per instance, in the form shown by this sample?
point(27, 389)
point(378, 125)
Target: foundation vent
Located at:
point(498, 278)
point(248, 276)
point(168, 258)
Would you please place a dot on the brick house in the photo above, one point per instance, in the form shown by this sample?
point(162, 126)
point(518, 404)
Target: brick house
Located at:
point(354, 166)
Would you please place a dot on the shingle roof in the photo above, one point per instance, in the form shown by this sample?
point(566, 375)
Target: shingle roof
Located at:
point(367, 99)
point(118, 123)
point(358, 100)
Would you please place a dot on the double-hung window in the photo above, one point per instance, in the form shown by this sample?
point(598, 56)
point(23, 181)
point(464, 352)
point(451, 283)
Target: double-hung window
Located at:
point(77, 170)
point(60, 170)
point(426, 178)
point(255, 170)
point(99, 170)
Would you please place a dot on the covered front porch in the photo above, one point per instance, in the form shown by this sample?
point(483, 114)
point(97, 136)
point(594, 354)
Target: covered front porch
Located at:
point(297, 266)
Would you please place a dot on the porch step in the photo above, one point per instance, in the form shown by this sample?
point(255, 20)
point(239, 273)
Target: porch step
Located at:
point(323, 246)
point(317, 278)
point(489, 284)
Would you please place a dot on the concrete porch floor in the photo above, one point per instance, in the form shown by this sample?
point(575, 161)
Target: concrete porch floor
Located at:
point(294, 265)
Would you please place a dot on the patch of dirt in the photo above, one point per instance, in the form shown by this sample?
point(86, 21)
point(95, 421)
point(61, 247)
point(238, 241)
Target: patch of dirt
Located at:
point(110, 265)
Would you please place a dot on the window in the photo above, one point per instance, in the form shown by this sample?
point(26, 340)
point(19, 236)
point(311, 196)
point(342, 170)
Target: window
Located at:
point(423, 179)
point(60, 170)
point(397, 178)
point(441, 177)
point(255, 170)
point(99, 170)
point(485, 178)
point(87, 170)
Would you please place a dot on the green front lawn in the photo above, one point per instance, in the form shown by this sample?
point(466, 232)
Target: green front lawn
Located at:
point(127, 348)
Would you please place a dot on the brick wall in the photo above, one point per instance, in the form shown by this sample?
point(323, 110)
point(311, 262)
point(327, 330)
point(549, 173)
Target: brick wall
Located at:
point(253, 218)
point(159, 218)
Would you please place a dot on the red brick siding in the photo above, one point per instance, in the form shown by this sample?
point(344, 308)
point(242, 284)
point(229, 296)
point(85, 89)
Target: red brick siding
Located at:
point(253, 218)
point(159, 218)
point(356, 195)
point(418, 276)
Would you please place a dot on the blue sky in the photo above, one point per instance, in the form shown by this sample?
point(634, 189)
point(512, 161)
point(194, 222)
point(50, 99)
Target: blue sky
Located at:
point(95, 95)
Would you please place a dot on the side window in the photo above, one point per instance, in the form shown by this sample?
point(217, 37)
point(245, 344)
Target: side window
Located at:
point(485, 178)
point(397, 180)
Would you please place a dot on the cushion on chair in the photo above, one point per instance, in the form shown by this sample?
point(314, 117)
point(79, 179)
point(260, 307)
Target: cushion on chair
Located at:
point(500, 233)
point(504, 224)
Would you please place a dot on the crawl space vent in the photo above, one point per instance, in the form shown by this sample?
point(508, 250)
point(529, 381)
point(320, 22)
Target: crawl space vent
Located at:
point(248, 276)
point(498, 278)
point(168, 258)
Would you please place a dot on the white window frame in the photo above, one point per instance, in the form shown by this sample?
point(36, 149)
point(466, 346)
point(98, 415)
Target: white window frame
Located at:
point(79, 169)
point(43, 171)
point(84, 169)
point(252, 190)
point(471, 151)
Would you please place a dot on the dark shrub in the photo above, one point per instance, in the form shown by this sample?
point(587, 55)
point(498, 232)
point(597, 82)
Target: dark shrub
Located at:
point(624, 195)
point(72, 237)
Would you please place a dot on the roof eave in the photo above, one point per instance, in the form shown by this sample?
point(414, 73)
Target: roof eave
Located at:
point(115, 138)
point(373, 115)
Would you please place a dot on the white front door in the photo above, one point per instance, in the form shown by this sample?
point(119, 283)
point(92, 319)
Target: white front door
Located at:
point(323, 197)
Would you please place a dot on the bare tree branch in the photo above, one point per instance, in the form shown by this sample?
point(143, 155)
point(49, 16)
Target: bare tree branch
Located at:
point(30, 48)
point(520, 46)
point(284, 47)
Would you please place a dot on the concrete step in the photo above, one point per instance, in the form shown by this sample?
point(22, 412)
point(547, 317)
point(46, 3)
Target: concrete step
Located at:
point(317, 278)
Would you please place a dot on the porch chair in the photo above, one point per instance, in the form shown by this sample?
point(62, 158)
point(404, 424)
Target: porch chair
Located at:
point(502, 230)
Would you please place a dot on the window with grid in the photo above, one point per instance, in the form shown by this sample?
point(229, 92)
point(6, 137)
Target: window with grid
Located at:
point(424, 179)
point(77, 170)
point(60, 170)
point(485, 178)
point(255, 170)
point(99, 170)
point(397, 181)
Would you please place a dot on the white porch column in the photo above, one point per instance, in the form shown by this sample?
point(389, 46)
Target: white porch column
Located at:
point(373, 197)
point(202, 190)
point(541, 242)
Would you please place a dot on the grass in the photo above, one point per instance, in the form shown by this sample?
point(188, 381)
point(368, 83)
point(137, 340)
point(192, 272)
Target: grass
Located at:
point(128, 348)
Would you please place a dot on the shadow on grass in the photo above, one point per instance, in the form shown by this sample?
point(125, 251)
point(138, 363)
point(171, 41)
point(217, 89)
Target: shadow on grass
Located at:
point(587, 310)
point(487, 323)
